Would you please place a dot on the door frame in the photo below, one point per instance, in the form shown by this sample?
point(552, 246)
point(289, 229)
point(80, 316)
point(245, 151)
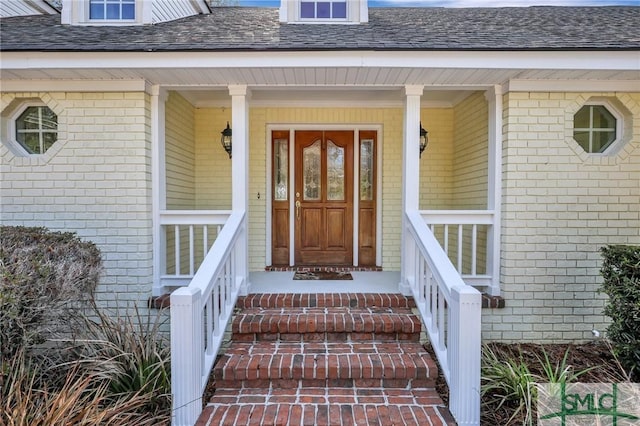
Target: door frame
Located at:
point(356, 128)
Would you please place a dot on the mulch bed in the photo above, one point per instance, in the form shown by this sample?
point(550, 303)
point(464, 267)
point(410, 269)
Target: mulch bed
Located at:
point(581, 357)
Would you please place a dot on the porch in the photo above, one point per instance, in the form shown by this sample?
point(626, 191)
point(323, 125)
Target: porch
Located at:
point(209, 257)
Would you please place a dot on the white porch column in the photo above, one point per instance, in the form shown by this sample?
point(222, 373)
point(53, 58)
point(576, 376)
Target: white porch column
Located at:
point(494, 193)
point(240, 175)
point(158, 181)
point(410, 180)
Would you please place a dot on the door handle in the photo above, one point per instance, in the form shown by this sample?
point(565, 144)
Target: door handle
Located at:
point(298, 209)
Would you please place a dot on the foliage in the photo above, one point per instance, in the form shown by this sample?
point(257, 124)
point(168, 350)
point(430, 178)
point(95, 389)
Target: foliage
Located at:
point(130, 354)
point(621, 272)
point(26, 399)
point(509, 380)
point(44, 278)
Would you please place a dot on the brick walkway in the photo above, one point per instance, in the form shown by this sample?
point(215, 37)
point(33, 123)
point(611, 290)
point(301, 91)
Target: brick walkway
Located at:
point(325, 359)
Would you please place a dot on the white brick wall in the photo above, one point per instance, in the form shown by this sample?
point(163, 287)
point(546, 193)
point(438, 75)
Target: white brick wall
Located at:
point(560, 206)
point(96, 180)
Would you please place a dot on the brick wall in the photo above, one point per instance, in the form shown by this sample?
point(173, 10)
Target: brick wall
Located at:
point(559, 207)
point(96, 181)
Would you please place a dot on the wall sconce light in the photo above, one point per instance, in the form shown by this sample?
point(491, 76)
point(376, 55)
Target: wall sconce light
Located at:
point(225, 140)
point(424, 139)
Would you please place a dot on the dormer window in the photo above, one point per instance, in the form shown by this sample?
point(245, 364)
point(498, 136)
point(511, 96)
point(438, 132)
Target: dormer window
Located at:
point(335, 9)
point(345, 12)
point(115, 10)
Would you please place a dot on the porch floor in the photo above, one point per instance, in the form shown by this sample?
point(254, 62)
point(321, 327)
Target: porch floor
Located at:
point(363, 282)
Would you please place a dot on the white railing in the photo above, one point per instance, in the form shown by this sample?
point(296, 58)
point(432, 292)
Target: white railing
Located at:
point(467, 238)
point(200, 313)
point(186, 237)
point(451, 312)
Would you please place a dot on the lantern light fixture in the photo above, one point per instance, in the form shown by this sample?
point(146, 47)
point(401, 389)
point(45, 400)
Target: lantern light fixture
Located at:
point(424, 139)
point(225, 140)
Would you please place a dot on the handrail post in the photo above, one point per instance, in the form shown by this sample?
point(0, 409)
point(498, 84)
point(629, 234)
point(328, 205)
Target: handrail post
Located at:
point(464, 354)
point(186, 355)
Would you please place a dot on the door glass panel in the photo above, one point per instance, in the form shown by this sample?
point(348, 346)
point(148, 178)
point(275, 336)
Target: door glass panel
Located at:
point(366, 170)
point(281, 169)
point(311, 173)
point(335, 171)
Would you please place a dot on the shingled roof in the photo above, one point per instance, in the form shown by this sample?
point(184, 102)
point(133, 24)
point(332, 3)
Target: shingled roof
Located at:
point(258, 29)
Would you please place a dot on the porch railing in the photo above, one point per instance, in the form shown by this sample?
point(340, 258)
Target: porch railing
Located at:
point(451, 312)
point(467, 238)
point(200, 313)
point(186, 237)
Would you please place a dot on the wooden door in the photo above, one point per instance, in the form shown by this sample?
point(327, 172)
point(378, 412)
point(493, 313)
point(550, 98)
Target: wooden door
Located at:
point(323, 198)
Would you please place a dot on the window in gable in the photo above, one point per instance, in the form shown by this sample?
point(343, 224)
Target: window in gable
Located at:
point(112, 9)
point(594, 128)
point(334, 9)
point(37, 129)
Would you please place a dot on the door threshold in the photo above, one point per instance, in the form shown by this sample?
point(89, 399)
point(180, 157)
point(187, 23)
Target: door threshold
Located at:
point(323, 268)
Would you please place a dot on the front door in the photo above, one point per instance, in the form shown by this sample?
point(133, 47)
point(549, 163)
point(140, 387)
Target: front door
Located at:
point(323, 198)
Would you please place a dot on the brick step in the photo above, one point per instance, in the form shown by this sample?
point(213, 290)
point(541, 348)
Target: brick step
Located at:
point(330, 324)
point(325, 406)
point(291, 365)
point(322, 300)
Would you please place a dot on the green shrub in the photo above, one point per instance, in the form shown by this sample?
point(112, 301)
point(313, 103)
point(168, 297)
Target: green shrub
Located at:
point(621, 272)
point(44, 278)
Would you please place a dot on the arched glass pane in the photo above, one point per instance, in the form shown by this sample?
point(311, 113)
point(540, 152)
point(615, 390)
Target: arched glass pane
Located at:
point(311, 172)
point(335, 172)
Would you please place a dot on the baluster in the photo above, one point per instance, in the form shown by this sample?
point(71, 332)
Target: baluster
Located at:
point(441, 323)
point(460, 248)
point(177, 243)
point(205, 241)
point(209, 326)
point(192, 241)
point(216, 307)
point(474, 248)
point(446, 239)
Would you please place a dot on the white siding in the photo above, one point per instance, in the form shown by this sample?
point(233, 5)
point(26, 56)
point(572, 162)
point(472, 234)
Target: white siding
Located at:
point(24, 7)
point(168, 10)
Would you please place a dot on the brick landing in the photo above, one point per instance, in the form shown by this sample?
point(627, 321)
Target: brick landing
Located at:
point(325, 359)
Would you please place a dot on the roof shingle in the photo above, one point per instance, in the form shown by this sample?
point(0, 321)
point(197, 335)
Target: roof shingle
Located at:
point(258, 29)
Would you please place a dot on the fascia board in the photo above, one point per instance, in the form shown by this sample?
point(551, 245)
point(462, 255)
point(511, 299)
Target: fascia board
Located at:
point(598, 60)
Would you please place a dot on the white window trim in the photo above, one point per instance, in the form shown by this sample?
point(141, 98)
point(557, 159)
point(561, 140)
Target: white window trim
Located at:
point(357, 13)
point(11, 129)
point(323, 20)
point(618, 129)
point(40, 131)
point(77, 12)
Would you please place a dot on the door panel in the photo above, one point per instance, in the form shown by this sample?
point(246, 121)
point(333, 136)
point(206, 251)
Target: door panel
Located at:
point(336, 228)
point(324, 198)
